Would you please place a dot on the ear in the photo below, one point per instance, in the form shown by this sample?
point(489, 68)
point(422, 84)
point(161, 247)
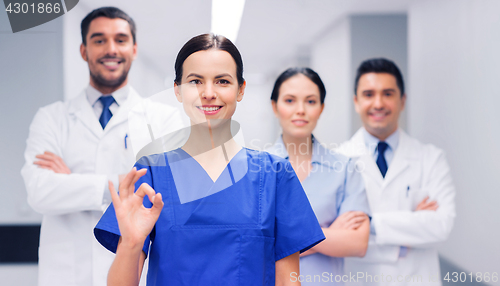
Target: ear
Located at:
point(134, 52)
point(356, 104)
point(275, 108)
point(83, 52)
point(241, 91)
point(403, 102)
point(177, 92)
point(322, 107)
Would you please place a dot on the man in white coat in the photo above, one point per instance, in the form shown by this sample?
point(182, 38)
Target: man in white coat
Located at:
point(75, 147)
point(408, 184)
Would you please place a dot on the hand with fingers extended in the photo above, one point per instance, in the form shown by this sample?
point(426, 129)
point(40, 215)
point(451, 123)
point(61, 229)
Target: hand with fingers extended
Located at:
point(349, 220)
point(425, 205)
point(134, 220)
point(51, 161)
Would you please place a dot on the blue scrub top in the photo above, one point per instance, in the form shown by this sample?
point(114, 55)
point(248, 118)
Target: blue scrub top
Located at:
point(231, 231)
point(333, 188)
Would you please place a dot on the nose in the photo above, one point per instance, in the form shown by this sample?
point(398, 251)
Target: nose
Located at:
point(209, 92)
point(300, 108)
point(112, 49)
point(378, 101)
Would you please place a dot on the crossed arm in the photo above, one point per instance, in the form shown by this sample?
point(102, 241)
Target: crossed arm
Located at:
point(51, 161)
point(346, 236)
point(51, 187)
point(431, 221)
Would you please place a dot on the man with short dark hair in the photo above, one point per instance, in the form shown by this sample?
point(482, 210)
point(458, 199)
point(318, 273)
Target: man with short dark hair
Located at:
point(408, 184)
point(75, 147)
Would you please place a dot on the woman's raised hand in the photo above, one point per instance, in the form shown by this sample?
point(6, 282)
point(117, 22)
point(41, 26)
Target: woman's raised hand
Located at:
point(135, 220)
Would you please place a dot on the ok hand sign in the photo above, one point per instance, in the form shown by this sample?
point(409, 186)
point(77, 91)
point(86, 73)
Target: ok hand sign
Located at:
point(135, 220)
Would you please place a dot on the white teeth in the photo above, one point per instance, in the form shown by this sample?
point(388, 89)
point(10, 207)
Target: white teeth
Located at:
point(110, 63)
point(209, 108)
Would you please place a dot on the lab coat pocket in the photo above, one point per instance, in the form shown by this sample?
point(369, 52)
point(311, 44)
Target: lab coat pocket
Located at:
point(414, 196)
point(256, 265)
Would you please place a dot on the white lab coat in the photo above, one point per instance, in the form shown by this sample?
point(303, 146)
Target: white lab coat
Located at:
point(72, 204)
point(416, 171)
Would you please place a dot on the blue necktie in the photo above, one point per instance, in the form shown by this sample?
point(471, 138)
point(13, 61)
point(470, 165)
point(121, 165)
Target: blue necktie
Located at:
point(381, 163)
point(106, 114)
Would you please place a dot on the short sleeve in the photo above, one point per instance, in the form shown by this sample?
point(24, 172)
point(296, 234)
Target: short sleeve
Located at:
point(297, 228)
point(355, 198)
point(107, 231)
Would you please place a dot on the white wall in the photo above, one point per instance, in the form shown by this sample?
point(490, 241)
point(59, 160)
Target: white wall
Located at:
point(255, 115)
point(76, 72)
point(454, 95)
point(331, 59)
point(30, 77)
point(19, 274)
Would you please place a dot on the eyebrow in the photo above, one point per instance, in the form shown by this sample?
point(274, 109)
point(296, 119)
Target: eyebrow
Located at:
point(101, 34)
point(223, 75)
point(384, 90)
point(200, 76)
point(96, 35)
point(195, 75)
point(311, 95)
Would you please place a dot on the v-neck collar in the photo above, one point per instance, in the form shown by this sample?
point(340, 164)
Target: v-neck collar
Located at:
point(193, 182)
point(318, 153)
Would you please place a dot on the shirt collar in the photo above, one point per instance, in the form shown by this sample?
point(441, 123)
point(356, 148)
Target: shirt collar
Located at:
point(318, 150)
point(279, 148)
point(119, 95)
point(371, 141)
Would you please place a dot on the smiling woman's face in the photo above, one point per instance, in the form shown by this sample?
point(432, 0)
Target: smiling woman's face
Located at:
point(298, 106)
point(209, 88)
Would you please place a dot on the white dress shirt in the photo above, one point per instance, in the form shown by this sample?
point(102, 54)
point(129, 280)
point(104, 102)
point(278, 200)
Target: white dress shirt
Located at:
point(120, 97)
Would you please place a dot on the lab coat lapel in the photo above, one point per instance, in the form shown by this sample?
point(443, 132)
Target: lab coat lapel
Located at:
point(122, 114)
point(80, 107)
point(401, 159)
point(371, 169)
point(356, 147)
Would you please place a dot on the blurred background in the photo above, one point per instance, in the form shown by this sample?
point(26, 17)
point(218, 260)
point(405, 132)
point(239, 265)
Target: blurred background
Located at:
point(448, 51)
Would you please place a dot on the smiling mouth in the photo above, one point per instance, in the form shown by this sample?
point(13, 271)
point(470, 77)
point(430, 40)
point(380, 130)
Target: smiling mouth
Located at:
point(209, 108)
point(379, 114)
point(300, 122)
point(111, 63)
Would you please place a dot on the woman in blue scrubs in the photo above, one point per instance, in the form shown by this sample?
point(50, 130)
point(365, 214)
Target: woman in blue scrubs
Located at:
point(210, 212)
point(331, 181)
